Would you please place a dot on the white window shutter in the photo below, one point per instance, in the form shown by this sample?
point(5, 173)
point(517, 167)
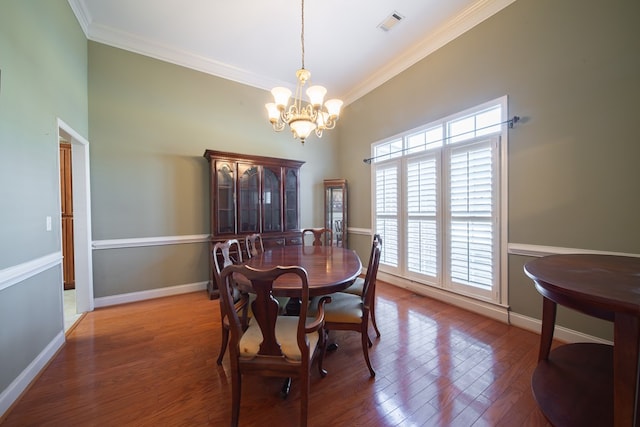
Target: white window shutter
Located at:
point(387, 192)
point(472, 206)
point(423, 243)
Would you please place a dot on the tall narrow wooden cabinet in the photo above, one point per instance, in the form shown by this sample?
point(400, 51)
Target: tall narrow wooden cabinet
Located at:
point(66, 209)
point(335, 209)
point(253, 194)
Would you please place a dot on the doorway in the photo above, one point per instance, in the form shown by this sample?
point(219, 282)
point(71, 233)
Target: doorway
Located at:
point(80, 240)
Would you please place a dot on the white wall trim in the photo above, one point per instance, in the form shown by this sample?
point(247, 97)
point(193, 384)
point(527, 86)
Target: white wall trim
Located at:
point(363, 231)
point(559, 332)
point(21, 272)
point(150, 294)
point(451, 29)
point(493, 311)
point(468, 18)
point(539, 251)
point(81, 176)
point(22, 381)
point(149, 241)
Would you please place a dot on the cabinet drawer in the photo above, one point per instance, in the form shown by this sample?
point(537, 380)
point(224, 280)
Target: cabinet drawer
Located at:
point(296, 240)
point(273, 242)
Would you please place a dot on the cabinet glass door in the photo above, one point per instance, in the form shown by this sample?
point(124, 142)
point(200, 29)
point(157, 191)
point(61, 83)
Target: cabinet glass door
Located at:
point(248, 198)
point(224, 201)
point(335, 209)
point(291, 200)
point(271, 199)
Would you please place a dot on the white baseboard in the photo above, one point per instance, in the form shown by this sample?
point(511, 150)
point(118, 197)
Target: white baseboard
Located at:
point(150, 294)
point(560, 333)
point(22, 381)
point(494, 311)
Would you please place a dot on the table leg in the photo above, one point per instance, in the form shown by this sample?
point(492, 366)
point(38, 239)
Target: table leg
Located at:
point(549, 309)
point(626, 346)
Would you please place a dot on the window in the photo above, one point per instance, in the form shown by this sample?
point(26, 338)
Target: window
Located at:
point(438, 202)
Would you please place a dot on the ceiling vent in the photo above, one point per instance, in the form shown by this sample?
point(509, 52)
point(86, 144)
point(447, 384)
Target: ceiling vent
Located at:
point(390, 21)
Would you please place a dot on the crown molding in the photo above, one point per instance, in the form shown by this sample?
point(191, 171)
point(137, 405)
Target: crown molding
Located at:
point(459, 24)
point(82, 15)
point(450, 30)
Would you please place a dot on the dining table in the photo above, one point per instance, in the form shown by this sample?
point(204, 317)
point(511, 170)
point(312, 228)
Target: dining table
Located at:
point(329, 268)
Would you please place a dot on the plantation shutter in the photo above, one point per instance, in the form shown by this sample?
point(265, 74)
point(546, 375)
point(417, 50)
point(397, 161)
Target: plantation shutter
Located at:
point(423, 244)
point(472, 202)
point(386, 203)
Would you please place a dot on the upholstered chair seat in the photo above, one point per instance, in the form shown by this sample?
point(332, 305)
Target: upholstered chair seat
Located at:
point(286, 329)
point(344, 308)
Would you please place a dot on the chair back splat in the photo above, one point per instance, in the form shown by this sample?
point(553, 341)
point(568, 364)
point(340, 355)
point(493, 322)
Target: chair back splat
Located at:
point(272, 345)
point(223, 254)
point(321, 236)
point(254, 245)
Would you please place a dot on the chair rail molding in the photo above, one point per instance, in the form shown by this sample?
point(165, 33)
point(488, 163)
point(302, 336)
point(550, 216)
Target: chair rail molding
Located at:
point(363, 231)
point(540, 251)
point(18, 273)
point(149, 241)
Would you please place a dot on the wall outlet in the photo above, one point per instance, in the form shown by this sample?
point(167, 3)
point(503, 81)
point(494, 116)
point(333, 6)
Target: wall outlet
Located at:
point(48, 223)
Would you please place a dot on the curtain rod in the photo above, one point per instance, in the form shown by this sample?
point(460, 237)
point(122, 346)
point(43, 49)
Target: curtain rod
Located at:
point(509, 122)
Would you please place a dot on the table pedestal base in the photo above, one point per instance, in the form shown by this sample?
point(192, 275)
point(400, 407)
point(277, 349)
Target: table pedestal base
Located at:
point(574, 387)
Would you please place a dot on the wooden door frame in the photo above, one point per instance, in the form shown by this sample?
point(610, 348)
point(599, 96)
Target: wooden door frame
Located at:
point(83, 264)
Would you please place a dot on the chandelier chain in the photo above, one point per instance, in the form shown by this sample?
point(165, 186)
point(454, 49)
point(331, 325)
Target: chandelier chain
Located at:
point(302, 34)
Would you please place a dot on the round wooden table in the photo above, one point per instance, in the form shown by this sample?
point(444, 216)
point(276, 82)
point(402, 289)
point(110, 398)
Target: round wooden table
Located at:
point(330, 269)
point(585, 383)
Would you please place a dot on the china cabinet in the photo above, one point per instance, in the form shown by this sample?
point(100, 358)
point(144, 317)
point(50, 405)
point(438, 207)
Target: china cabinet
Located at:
point(335, 210)
point(253, 194)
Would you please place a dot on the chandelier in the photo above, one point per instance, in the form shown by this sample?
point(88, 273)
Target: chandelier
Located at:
point(303, 117)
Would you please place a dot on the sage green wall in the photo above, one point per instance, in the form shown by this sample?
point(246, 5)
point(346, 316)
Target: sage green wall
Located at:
point(150, 123)
point(571, 71)
point(43, 63)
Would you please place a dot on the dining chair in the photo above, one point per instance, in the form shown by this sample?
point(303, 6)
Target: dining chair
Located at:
point(222, 254)
point(272, 345)
point(358, 286)
point(348, 312)
point(253, 244)
point(321, 236)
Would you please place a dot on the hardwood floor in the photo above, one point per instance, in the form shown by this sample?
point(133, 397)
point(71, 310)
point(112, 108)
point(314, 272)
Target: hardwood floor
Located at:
point(153, 363)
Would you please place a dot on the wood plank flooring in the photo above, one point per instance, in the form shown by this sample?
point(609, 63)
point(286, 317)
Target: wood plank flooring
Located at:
point(152, 363)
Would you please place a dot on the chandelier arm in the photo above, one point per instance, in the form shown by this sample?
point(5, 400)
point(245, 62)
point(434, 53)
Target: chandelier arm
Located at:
point(330, 124)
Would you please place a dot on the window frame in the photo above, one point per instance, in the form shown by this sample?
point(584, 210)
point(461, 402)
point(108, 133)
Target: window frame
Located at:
point(496, 134)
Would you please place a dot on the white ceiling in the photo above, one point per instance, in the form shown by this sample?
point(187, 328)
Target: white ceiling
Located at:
point(257, 42)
